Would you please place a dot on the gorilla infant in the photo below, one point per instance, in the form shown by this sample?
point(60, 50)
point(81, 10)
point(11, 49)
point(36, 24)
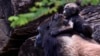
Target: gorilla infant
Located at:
point(71, 11)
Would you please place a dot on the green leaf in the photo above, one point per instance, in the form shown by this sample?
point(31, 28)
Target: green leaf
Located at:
point(33, 9)
point(94, 2)
point(45, 1)
point(39, 4)
point(27, 15)
point(84, 2)
point(13, 18)
point(13, 24)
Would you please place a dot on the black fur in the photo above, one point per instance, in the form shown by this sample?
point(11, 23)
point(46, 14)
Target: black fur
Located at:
point(50, 44)
point(80, 26)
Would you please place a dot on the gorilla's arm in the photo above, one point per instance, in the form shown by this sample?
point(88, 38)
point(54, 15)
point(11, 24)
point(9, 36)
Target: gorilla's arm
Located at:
point(82, 27)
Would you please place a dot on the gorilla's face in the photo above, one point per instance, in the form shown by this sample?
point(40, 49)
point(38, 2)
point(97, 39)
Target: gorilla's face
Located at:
point(70, 9)
point(42, 29)
point(67, 12)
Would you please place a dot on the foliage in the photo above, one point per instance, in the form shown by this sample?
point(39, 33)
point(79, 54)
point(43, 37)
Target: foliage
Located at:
point(41, 8)
point(92, 2)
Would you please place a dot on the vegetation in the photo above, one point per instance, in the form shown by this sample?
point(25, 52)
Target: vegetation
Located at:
point(41, 8)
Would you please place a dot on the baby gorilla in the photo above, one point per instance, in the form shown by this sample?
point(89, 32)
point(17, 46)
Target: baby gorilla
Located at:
point(71, 11)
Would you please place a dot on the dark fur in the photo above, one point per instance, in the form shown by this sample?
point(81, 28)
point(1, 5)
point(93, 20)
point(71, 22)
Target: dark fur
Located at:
point(66, 45)
point(53, 45)
point(71, 11)
point(58, 25)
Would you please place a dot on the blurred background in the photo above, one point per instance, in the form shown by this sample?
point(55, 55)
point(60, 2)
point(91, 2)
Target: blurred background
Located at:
point(19, 20)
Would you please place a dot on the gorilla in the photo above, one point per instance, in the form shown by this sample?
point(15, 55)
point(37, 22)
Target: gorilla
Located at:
point(67, 42)
point(52, 45)
point(71, 11)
